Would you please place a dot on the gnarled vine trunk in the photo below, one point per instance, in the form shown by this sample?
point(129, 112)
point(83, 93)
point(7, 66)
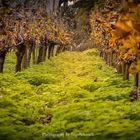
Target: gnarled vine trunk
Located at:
point(126, 71)
point(19, 56)
point(2, 60)
point(24, 62)
point(44, 52)
point(51, 49)
point(40, 54)
point(34, 55)
point(29, 55)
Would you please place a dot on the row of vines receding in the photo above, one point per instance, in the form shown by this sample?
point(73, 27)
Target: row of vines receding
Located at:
point(115, 32)
point(31, 35)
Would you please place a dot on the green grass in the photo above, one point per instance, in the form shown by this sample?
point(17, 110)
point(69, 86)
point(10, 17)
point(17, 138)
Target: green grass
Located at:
point(73, 96)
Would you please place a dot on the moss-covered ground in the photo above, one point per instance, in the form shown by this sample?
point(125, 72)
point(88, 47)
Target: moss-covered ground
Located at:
point(73, 96)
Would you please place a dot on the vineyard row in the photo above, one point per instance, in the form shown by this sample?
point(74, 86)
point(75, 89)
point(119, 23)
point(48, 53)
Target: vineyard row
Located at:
point(31, 33)
point(116, 33)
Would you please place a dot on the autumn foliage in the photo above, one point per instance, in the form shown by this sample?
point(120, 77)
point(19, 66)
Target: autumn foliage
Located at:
point(27, 31)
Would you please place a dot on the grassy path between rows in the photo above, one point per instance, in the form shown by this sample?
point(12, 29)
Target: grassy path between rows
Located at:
point(73, 96)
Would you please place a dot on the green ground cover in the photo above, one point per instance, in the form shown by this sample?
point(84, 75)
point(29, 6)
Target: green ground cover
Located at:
point(73, 96)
